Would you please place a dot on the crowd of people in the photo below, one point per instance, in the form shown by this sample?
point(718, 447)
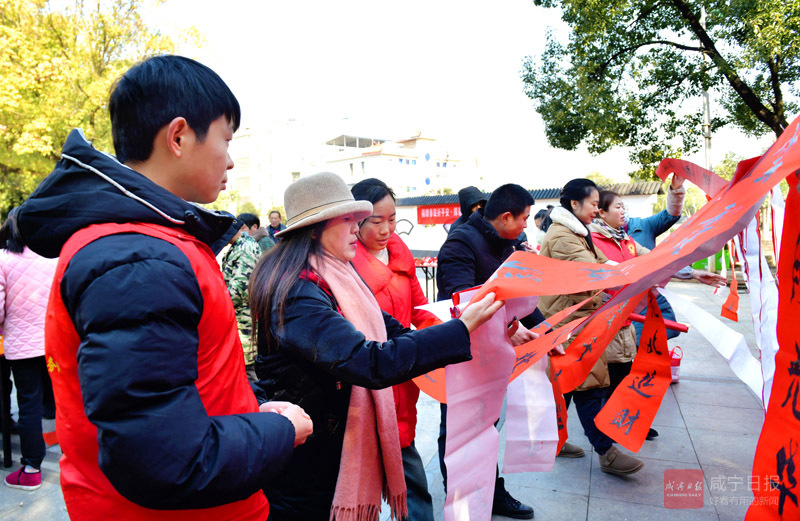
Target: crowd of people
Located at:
point(277, 385)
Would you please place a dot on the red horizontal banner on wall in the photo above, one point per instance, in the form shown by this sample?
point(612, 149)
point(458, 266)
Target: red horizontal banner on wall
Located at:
point(438, 213)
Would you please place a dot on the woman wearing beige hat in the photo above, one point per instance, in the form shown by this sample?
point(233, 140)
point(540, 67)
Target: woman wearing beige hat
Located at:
point(325, 344)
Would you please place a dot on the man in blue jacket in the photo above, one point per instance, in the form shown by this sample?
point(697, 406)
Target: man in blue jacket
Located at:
point(644, 230)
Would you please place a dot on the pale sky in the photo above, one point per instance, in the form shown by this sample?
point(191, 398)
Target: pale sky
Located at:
point(448, 68)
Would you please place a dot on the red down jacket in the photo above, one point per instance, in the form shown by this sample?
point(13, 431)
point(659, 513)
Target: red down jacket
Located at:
point(398, 292)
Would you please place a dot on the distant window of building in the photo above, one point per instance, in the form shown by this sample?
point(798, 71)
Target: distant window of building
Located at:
point(438, 164)
point(427, 157)
point(363, 168)
point(295, 176)
point(351, 169)
point(406, 161)
point(444, 165)
point(413, 161)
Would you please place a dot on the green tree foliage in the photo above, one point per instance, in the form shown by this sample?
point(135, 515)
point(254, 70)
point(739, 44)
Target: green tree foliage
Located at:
point(228, 201)
point(58, 65)
point(247, 207)
point(600, 180)
point(633, 72)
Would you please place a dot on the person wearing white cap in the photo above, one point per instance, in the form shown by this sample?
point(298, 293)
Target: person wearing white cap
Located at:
point(325, 344)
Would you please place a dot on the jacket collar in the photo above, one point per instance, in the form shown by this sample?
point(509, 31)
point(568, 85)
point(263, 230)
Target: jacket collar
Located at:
point(485, 228)
point(563, 216)
point(376, 274)
point(91, 187)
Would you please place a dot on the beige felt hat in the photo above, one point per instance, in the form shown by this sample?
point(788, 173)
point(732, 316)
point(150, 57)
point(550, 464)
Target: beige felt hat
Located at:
point(317, 198)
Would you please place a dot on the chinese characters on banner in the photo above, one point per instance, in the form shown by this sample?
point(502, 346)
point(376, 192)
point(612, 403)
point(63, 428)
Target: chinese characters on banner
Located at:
point(630, 411)
point(777, 456)
point(438, 213)
point(572, 369)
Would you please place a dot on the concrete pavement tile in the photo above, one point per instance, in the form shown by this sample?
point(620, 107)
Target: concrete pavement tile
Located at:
point(645, 487)
point(716, 393)
point(724, 449)
point(669, 413)
point(719, 418)
point(549, 506)
point(703, 361)
point(49, 507)
point(608, 510)
point(570, 475)
point(730, 490)
point(672, 444)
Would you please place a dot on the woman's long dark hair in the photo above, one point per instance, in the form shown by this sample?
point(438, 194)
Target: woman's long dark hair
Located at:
point(578, 190)
point(10, 237)
point(276, 274)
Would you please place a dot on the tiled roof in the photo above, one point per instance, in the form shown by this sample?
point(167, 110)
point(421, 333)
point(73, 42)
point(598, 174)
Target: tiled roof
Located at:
point(637, 188)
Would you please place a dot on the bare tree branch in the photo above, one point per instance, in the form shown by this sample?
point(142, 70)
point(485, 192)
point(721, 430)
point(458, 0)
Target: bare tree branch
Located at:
point(637, 46)
point(744, 91)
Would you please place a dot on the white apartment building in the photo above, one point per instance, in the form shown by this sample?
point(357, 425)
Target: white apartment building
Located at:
point(267, 161)
point(411, 166)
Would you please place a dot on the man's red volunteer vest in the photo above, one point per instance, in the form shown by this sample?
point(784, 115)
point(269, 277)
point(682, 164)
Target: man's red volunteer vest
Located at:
point(221, 383)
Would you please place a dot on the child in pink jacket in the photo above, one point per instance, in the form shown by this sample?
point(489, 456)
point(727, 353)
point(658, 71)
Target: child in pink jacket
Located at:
point(25, 280)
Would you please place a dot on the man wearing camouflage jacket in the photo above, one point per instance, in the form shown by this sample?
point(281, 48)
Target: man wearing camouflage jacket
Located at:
point(237, 265)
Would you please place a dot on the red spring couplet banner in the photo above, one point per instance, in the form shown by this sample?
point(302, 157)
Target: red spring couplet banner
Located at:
point(561, 414)
point(775, 469)
point(730, 309)
point(628, 414)
point(585, 350)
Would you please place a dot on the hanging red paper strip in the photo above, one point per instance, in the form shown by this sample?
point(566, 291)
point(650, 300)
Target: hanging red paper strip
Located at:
point(561, 414)
point(572, 368)
point(775, 468)
point(730, 309)
point(628, 414)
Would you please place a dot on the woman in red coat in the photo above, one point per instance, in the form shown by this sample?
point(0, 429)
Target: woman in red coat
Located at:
point(387, 266)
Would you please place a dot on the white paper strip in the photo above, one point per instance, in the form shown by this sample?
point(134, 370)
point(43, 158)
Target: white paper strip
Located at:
point(730, 344)
point(778, 210)
point(763, 302)
point(531, 422)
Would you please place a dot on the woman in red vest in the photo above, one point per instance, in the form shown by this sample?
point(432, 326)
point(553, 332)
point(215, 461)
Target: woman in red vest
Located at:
point(387, 266)
point(609, 236)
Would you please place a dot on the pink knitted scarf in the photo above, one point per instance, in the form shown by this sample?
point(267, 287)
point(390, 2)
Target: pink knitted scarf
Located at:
point(371, 463)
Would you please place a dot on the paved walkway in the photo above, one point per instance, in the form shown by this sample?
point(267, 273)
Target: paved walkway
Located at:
point(708, 421)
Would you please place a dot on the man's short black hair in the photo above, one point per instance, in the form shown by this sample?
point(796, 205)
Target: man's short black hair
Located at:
point(160, 89)
point(249, 219)
point(508, 198)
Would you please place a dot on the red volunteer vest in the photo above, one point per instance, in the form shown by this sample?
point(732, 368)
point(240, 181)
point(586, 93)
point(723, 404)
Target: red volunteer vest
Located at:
point(221, 383)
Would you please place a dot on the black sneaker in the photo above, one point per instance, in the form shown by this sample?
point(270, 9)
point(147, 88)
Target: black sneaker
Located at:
point(651, 434)
point(507, 506)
